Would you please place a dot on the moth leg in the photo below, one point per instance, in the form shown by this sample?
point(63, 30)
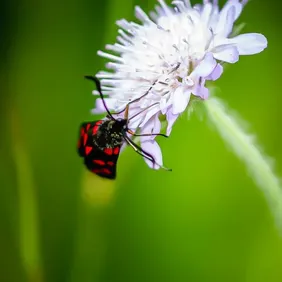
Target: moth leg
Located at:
point(126, 112)
point(136, 149)
point(146, 134)
point(141, 152)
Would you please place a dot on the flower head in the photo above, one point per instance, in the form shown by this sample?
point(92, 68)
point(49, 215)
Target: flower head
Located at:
point(173, 53)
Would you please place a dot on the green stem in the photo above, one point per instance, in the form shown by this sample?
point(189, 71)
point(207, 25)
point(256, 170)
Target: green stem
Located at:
point(247, 150)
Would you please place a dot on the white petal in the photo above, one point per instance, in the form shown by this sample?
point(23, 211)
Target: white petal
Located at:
point(152, 111)
point(216, 73)
point(153, 126)
point(163, 105)
point(171, 119)
point(152, 148)
point(249, 43)
point(238, 7)
point(135, 122)
point(230, 18)
point(206, 13)
point(147, 129)
point(205, 67)
point(157, 126)
point(201, 90)
point(213, 18)
point(165, 8)
point(180, 100)
point(231, 4)
point(226, 53)
point(141, 15)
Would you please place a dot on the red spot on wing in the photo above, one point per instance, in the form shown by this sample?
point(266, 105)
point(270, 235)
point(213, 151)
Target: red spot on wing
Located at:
point(96, 127)
point(85, 137)
point(116, 150)
point(106, 171)
point(87, 126)
point(88, 150)
point(110, 163)
point(82, 132)
point(103, 171)
point(108, 151)
point(99, 162)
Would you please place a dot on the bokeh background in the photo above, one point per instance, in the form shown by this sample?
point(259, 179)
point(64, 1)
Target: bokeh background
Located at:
point(205, 221)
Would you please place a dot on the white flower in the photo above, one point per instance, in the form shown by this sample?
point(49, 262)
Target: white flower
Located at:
point(174, 51)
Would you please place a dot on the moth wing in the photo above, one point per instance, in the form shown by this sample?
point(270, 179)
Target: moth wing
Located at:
point(103, 162)
point(84, 141)
point(99, 161)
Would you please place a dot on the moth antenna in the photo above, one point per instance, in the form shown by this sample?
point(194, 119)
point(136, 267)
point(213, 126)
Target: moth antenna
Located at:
point(137, 99)
point(148, 91)
point(142, 111)
point(98, 85)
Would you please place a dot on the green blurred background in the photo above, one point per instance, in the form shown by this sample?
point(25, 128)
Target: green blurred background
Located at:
point(205, 221)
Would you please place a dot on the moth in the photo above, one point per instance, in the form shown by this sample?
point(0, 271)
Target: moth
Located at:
point(100, 141)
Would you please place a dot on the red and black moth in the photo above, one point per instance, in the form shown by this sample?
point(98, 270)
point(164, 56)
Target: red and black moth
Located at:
point(100, 141)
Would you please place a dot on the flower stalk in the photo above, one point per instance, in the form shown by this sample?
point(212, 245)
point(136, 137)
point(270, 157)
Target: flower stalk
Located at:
point(246, 149)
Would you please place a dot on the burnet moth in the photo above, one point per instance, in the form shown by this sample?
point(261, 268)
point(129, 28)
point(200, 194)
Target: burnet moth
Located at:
point(100, 141)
